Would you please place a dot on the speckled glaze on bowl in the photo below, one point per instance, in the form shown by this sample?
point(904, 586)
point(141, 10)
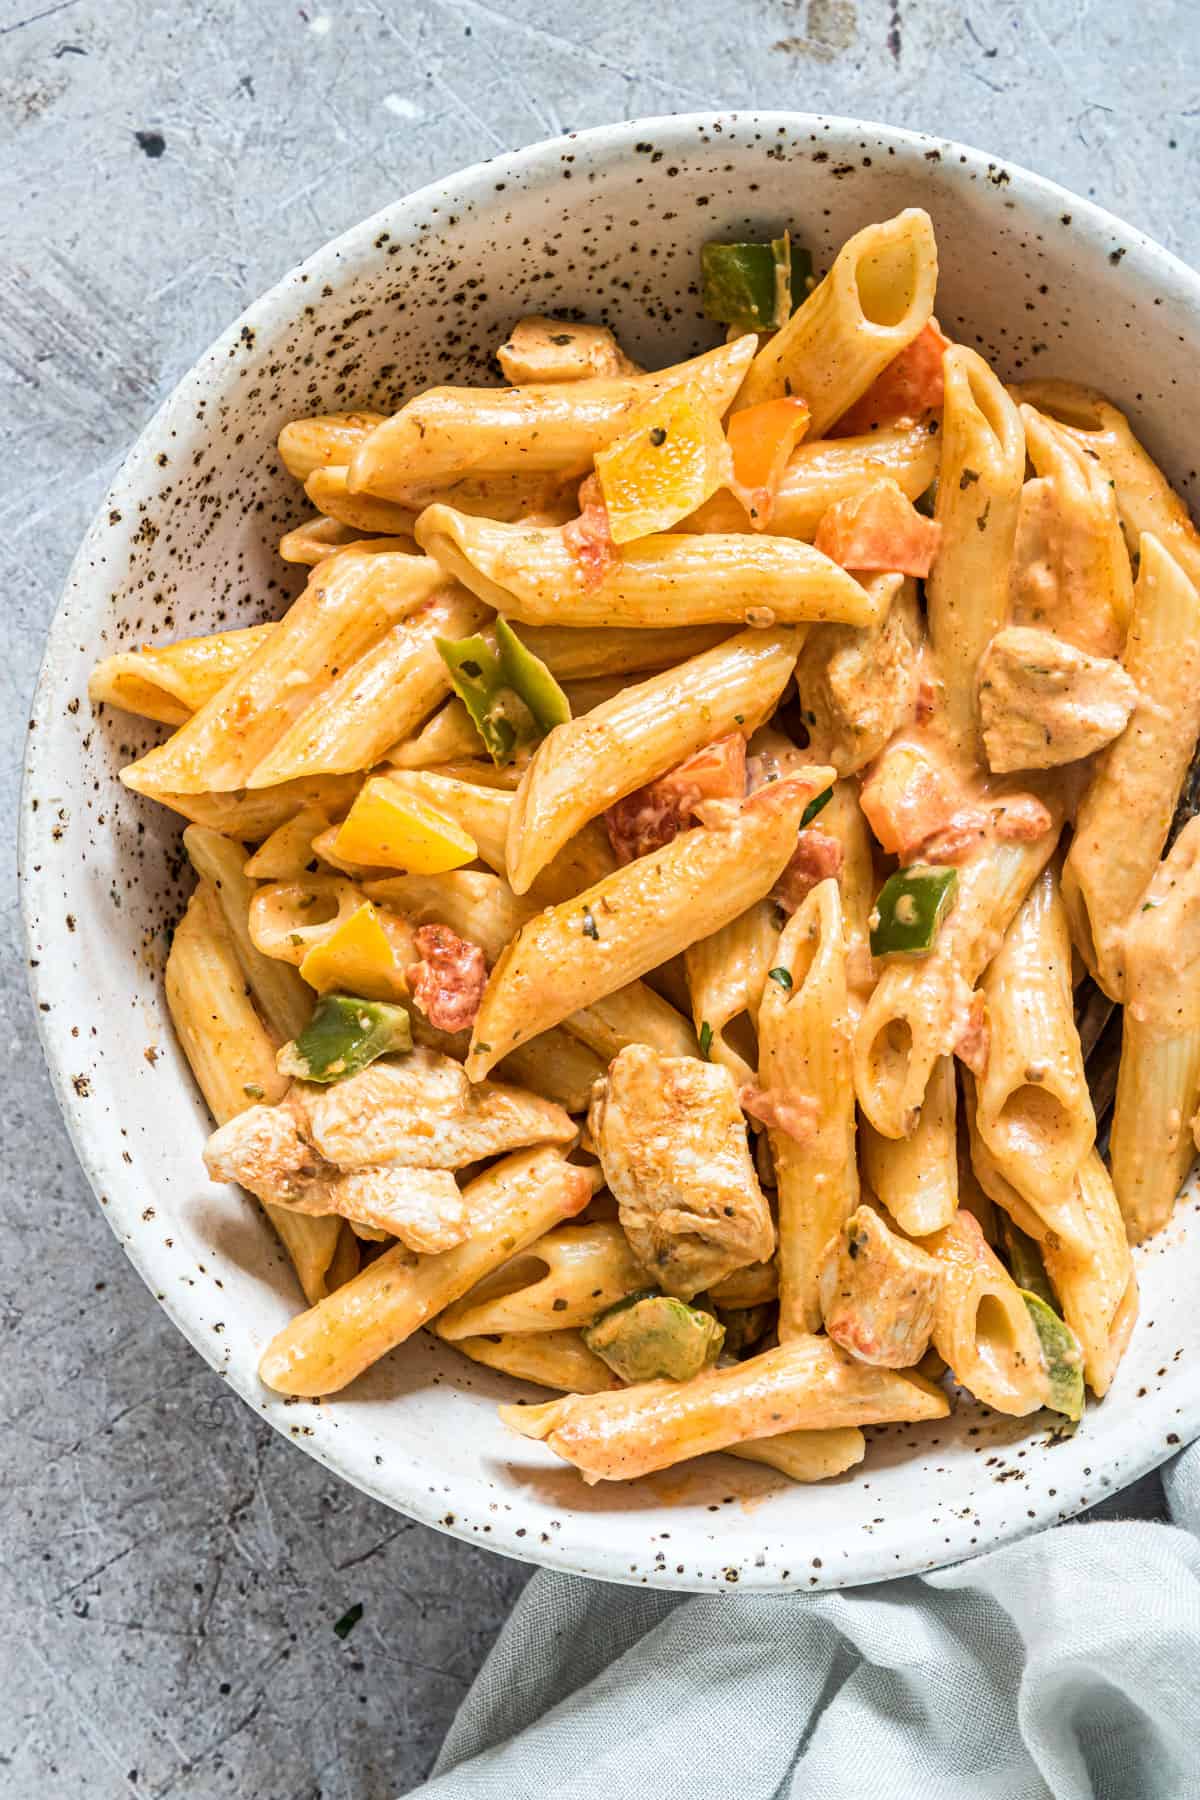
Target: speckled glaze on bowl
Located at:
point(605, 225)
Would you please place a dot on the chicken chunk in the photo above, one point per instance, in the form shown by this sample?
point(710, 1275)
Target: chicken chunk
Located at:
point(1043, 702)
point(421, 1112)
point(672, 1142)
point(878, 1293)
point(266, 1151)
point(540, 349)
point(858, 687)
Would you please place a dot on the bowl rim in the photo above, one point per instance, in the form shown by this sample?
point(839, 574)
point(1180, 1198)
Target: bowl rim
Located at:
point(1145, 1444)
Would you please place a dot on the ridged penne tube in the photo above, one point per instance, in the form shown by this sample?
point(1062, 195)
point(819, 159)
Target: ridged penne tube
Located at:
point(1158, 1082)
point(843, 819)
point(982, 1326)
point(914, 1014)
point(557, 1066)
point(822, 472)
point(320, 538)
point(514, 1202)
point(586, 765)
point(553, 1359)
point(555, 428)
point(1083, 1243)
point(484, 910)
point(1033, 1108)
point(519, 495)
point(1125, 814)
point(1146, 500)
point(284, 1000)
point(374, 699)
point(169, 682)
point(251, 817)
point(324, 441)
point(573, 954)
point(806, 1455)
point(726, 973)
point(670, 578)
point(232, 1056)
point(804, 1060)
point(287, 855)
point(348, 605)
point(327, 490)
point(978, 499)
point(916, 1177)
point(1070, 571)
point(449, 736)
point(1094, 1276)
point(573, 654)
point(875, 299)
point(567, 1278)
point(804, 1385)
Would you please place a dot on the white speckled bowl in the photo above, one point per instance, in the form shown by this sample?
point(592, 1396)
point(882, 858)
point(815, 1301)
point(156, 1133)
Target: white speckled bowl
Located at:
point(608, 222)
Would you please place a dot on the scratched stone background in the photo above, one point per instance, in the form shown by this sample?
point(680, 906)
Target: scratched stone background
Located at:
point(170, 1571)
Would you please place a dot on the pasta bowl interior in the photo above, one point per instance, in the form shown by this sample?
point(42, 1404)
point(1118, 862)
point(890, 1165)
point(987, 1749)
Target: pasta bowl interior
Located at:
point(607, 227)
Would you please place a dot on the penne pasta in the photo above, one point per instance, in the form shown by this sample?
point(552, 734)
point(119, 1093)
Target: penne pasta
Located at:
point(804, 1385)
point(283, 999)
point(575, 953)
point(327, 490)
point(875, 299)
point(978, 500)
point(232, 1057)
point(670, 578)
point(916, 1177)
point(575, 654)
point(325, 441)
point(586, 765)
point(726, 974)
point(553, 428)
point(565, 1279)
point(1125, 813)
point(1033, 1108)
point(982, 1327)
point(805, 1075)
point(348, 605)
point(251, 817)
point(824, 471)
point(915, 1013)
point(320, 538)
point(169, 682)
point(376, 699)
point(509, 1206)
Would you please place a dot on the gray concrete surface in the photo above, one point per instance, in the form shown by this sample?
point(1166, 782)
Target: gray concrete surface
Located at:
point(171, 1572)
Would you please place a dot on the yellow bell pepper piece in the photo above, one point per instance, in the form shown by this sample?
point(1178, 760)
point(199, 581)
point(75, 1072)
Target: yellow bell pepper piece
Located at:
point(389, 828)
point(357, 958)
point(669, 461)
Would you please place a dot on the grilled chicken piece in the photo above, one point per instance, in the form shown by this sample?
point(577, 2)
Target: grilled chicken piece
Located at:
point(858, 686)
point(878, 1293)
point(672, 1142)
point(420, 1112)
point(265, 1150)
point(1043, 702)
point(541, 349)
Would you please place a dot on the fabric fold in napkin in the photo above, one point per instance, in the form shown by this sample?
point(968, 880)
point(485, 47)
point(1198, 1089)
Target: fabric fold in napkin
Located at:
point(1063, 1667)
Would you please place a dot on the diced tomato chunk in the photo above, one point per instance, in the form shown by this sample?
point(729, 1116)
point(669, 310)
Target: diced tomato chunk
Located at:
point(816, 858)
point(908, 389)
point(974, 1039)
point(789, 1110)
point(447, 984)
point(589, 537)
point(906, 798)
point(1022, 819)
point(653, 815)
point(879, 529)
point(964, 832)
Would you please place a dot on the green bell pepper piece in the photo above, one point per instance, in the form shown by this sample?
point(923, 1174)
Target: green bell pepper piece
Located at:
point(756, 287)
point(910, 909)
point(1024, 1259)
point(1062, 1356)
point(512, 697)
point(343, 1036)
point(648, 1336)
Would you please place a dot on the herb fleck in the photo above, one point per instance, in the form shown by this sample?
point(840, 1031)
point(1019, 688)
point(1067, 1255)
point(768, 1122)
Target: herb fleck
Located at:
point(981, 521)
point(705, 1039)
point(348, 1620)
point(967, 477)
point(252, 1089)
point(658, 436)
point(781, 976)
point(589, 925)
